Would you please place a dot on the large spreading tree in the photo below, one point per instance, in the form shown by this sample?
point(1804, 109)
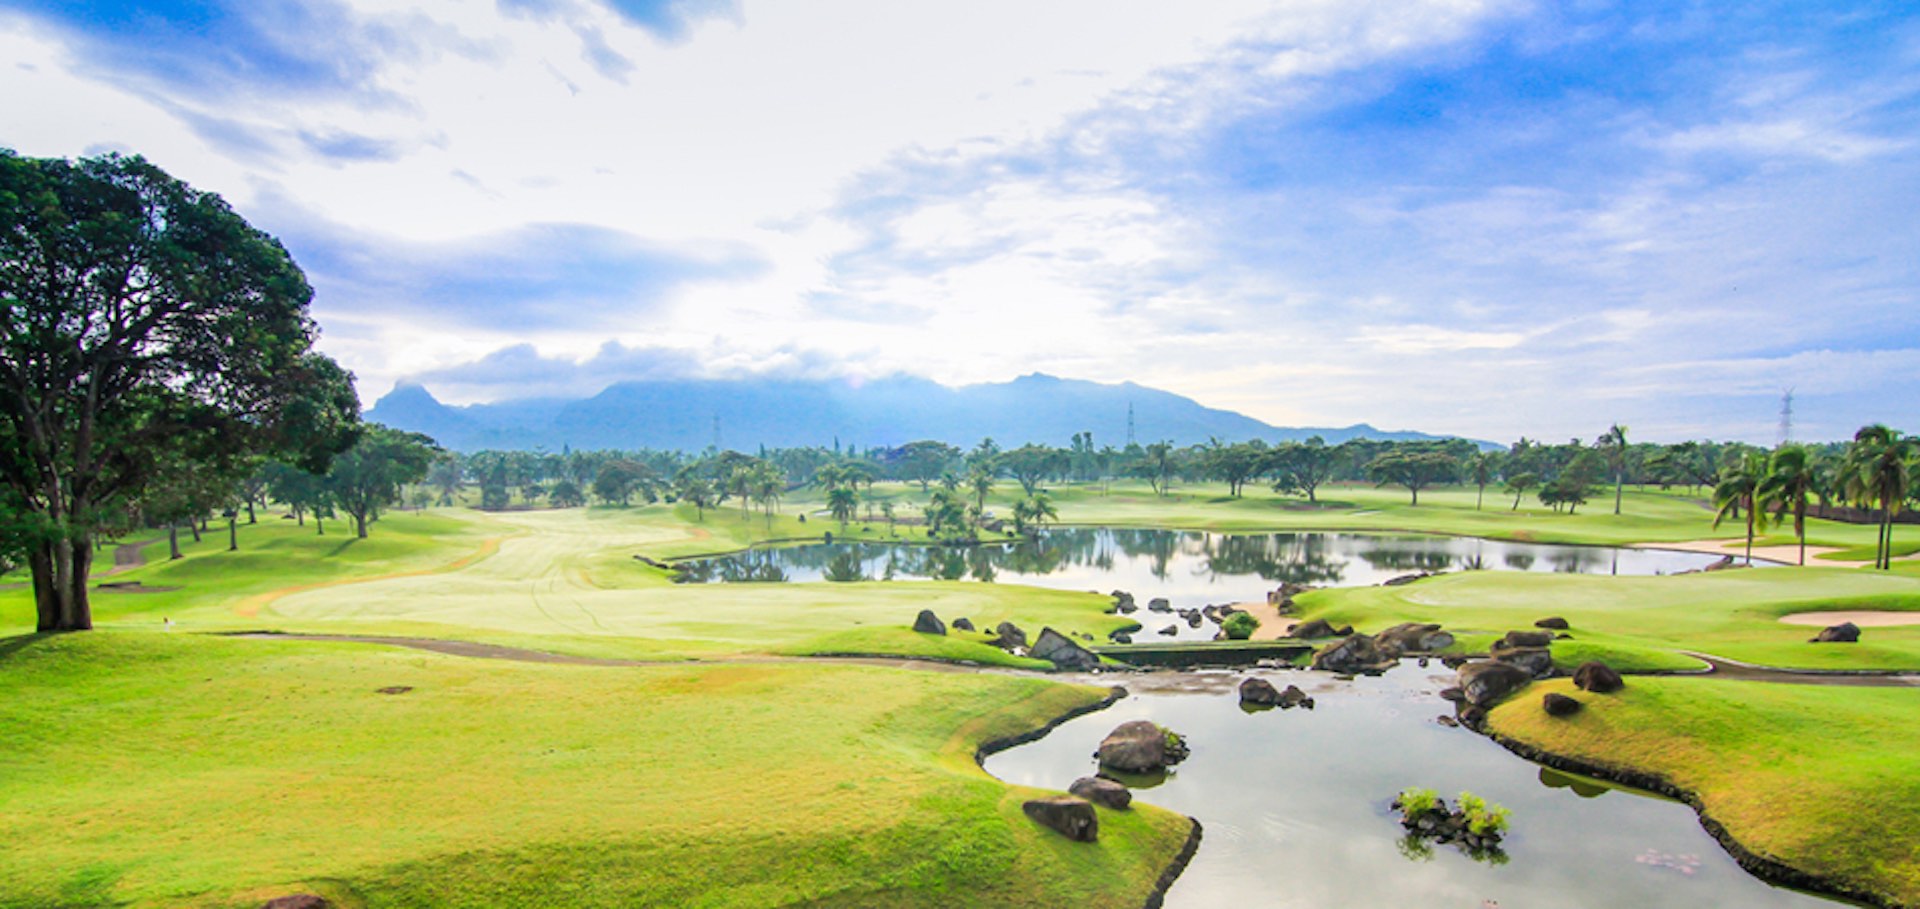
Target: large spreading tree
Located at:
point(142, 324)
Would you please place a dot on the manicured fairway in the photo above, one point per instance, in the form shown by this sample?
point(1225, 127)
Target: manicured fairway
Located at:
point(1826, 779)
point(169, 769)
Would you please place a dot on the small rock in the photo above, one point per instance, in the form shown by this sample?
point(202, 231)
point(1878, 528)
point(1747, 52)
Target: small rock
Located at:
point(1554, 622)
point(1526, 639)
point(1447, 721)
point(1843, 633)
point(1537, 661)
point(928, 623)
point(1159, 604)
point(1102, 791)
point(1598, 678)
point(297, 901)
point(1413, 637)
point(1070, 817)
point(394, 689)
point(1293, 697)
point(1453, 694)
point(1008, 636)
point(1558, 704)
point(1120, 637)
point(1169, 631)
point(1312, 628)
point(963, 624)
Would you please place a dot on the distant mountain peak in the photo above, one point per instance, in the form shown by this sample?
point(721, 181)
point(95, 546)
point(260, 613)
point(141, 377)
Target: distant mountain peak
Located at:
point(691, 414)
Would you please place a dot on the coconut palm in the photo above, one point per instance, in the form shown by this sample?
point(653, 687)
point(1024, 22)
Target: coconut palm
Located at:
point(1483, 468)
point(842, 502)
point(1739, 483)
point(1792, 476)
point(1614, 443)
point(1878, 468)
point(981, 479)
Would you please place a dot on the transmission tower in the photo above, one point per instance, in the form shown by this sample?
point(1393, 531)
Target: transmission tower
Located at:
point(1786, 416)
point(1129, 424)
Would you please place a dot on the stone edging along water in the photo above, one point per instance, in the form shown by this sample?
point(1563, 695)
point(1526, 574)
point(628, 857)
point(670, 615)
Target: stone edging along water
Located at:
point(1168, 875)
point(1761, 866)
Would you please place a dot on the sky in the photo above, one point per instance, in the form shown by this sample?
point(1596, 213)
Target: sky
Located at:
point(1492, 218)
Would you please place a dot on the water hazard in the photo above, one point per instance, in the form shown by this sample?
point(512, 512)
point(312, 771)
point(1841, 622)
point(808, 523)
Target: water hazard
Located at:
point(1295, 807)
point(1188, 568)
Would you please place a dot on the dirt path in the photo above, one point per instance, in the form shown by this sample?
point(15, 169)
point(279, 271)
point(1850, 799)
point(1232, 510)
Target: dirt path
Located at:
point(1721, 668)
point(127, 557)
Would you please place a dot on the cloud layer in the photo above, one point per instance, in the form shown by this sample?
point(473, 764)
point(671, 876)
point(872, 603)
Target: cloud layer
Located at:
point(1474, 216)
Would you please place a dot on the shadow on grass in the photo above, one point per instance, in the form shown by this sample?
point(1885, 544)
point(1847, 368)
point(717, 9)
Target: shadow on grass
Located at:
point(13, 645)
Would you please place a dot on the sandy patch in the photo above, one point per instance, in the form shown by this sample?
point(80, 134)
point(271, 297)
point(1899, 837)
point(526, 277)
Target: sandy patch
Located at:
point(1789, 554)
point(1273, 625)
point(1862, 618)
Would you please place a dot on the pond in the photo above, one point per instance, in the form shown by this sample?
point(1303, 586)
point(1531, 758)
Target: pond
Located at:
point(1294, 805)
point(1189, 568)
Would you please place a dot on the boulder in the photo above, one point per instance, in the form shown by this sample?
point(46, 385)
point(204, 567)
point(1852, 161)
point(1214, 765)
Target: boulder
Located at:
point(928, 623)
point(1598, 678)
point(1407, 578)
point(1558, 704)
point(1169, 631)
point(1123, 601)
point(1553, 622)
point(1102, 791)
point(1453, 694)
point(1485, 682)
point(963, 624)
point(1159, 604)
point(1536, 661)
point(297, 901)
point(1413, 637)
point(1526, 639)
point(1062, 652)
point(1193, 618)
point(1312, 628)
point(1120, 637)
point(1007, 636)
point(1139, 746)
point(1293, 697)
point(1355, 655)
point(1126, 608)
point(1070, 817)
point(1259, 692)
point(1843, 633)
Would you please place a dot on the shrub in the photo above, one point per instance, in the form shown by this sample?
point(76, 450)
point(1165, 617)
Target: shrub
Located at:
point(1482, 818)
point(1240, 626)
point(1414, 801)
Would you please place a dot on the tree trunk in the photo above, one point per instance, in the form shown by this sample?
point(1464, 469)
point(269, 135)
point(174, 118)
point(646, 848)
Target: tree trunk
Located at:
point(233, 534)
point(319, 525)
point(194, 528)
point(173, 541)
point(1482, 497)
point(250, 517)
point(360, 525)
point(1618, 482)
point(1750, 511)
point(60, 571)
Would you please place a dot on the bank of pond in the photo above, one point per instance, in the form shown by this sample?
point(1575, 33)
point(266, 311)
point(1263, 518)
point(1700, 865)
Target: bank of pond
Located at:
point(1297, 805)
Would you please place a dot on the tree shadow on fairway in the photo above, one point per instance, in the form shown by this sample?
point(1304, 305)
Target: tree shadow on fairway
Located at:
point(10, 646)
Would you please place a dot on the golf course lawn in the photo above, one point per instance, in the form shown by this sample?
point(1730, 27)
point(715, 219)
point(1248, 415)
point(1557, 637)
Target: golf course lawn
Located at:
point(146, 766)
point(173, 769)
point(1645, 622)
point(1825, 779)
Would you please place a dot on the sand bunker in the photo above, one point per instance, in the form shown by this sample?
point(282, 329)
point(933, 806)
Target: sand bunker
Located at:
point(1862, 618)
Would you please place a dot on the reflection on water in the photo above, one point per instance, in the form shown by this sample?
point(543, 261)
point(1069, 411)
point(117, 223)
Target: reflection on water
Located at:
point(1188, 568)
point(1294, 805)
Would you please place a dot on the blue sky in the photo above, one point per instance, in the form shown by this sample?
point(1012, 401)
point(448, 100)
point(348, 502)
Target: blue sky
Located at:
point(1474, 216)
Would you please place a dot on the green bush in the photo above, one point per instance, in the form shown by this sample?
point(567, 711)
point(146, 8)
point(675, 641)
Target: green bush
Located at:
point(1240, 626)
point(1483, 818)
point(1415, 801)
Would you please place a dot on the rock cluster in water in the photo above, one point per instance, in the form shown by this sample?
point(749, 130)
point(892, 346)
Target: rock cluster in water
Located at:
point(1441, 824)
point(1259, 692)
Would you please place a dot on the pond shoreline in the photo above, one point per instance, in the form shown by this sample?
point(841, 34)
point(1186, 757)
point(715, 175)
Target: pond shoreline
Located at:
point(1771, 870)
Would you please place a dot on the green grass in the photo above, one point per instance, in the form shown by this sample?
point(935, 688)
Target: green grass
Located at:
point(1644, 622)
point(1826, 779)
point(148, 769)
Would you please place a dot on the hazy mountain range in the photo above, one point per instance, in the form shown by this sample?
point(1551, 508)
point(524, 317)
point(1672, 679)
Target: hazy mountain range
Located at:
point(744, 414)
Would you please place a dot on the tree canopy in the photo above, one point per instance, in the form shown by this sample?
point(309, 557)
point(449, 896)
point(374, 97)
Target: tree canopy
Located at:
point(142, 323)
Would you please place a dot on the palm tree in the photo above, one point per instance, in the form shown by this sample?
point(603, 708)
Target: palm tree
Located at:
point(1878, 468)
point(1738, 484)
point(1614, 442)
point(981, 479)
point(843, 503)
point(1483, 467)
point(1791, 477)
point(767, 483)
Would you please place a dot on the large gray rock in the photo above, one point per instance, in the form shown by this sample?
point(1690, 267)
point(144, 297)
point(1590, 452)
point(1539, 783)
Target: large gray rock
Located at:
point(1159, 604)
point(1557, 704)
point(1259, 692)
point(1061, 651)
point(1598, 678)
point(1102, 791)
point(1355, 655)
point(1318, 628)
point(928, 623)
point(1070, 817)
point(1536, 661)
point(963, 624)
point(1413, 637)
point(1139, 746)
point(1487, 682)
point(1007, 636)
point(1843, 633)
point(1526, 639)
point(1552, 622)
